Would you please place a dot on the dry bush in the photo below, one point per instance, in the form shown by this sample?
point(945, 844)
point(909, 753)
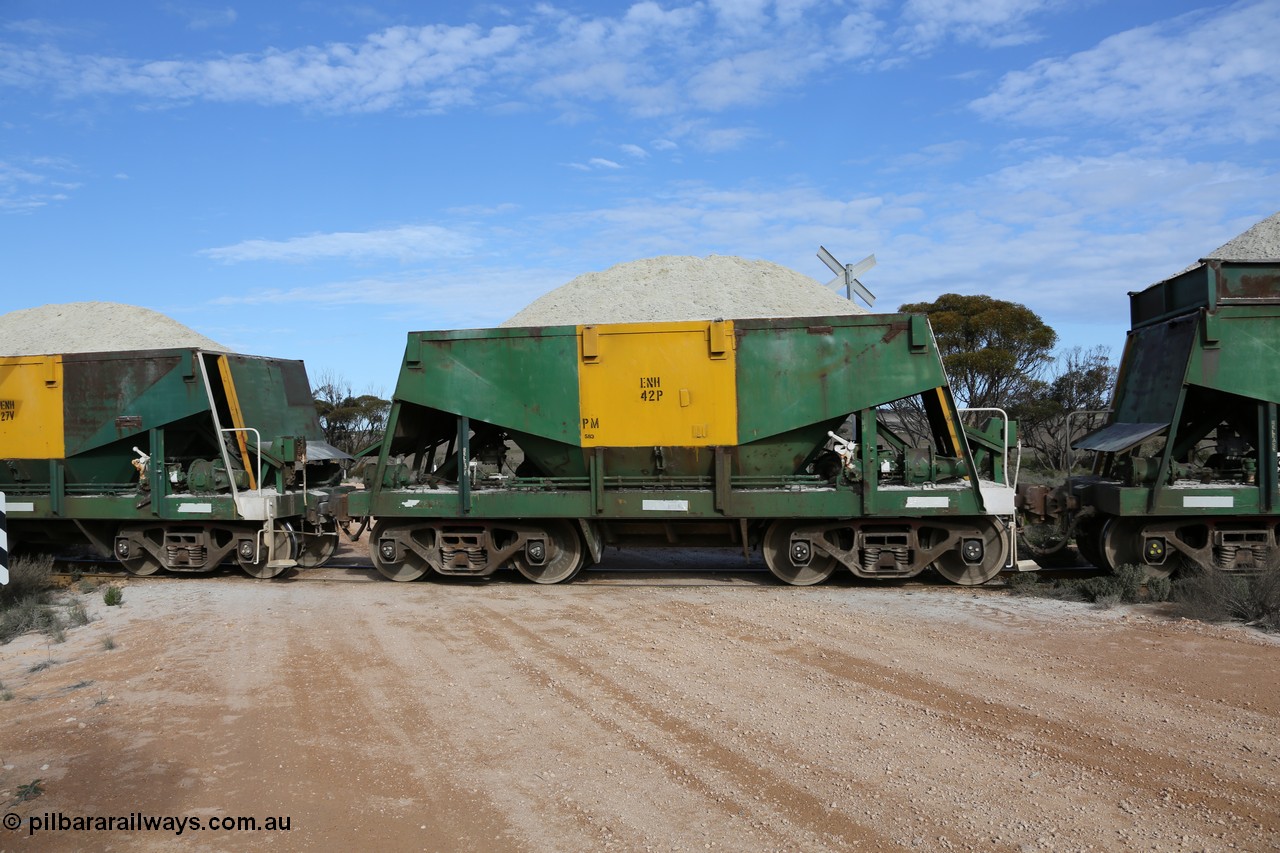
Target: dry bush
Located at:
point(1213, 596)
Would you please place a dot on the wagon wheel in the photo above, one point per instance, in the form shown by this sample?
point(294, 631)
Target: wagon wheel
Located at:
point(411, 565)
point(143, 563)
point(563, 558)
point(319, 542)
point(816, 566)
point(1121, 542)
point(995, 553)
point(286, 550)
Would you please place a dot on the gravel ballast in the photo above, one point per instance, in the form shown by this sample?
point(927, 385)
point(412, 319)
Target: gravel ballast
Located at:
point(671, 288)
point(74, 327)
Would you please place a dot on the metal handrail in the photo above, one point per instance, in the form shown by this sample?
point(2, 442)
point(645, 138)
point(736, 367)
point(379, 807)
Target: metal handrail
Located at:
point(257, 446)
point(235, 493)
point(1005, 416)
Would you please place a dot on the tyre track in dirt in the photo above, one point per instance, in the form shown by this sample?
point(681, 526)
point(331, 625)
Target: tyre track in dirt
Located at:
point(664, 778)
point(1091, 758)
point(513, 718)
point(365, 714)
point(718, 773)
point(1137, 775)
point(1148, 774)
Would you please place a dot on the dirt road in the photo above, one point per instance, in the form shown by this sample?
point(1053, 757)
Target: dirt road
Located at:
point(699, 716)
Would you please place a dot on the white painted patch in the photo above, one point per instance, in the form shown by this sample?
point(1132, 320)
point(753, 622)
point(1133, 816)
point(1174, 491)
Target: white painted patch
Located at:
point(665, 506)
point(1203, 501)
point(997, 498)
point(409, 504)
point(20, 506)
point(194, 507)
point(928, 503)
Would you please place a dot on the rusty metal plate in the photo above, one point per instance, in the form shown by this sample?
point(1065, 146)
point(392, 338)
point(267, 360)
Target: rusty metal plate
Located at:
point(1118, 437)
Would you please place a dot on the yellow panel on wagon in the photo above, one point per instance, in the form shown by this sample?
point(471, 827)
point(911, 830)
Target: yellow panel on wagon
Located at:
point(658, 384)
point(31, 407)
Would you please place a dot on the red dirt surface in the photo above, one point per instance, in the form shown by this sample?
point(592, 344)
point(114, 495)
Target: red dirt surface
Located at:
point(677, 716)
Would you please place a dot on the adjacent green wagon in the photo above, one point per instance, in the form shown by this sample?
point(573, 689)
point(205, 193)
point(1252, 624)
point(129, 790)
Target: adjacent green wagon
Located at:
point(171, 458)
point(1185, 471)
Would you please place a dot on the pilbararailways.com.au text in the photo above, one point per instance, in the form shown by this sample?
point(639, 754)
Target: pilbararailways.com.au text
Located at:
point(138, 822)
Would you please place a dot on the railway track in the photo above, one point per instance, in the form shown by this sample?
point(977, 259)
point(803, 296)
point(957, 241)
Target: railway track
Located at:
point(362, 571)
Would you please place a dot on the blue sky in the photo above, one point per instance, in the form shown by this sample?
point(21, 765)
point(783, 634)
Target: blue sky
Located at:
point(313, 180)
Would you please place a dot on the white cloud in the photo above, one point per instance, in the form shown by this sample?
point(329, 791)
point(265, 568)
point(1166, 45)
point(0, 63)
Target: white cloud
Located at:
point(410, 242)
point(649, 61)
point(201, 18)
point(992, 23)
point(435, 67)
point(1068, 236)
point(931, 156)
point(1213, 75)
point(705, 136)
point(741, 14)
point(34, 183)
point(634, 151)
point(596, 164)
point(437, 299)
point(748, 78)
point(484, 210)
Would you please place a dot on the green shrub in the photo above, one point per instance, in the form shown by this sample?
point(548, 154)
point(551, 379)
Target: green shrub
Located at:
point(1105, 586)
point(29, 791)
point(1214, 596)
point(1130, 579)
point(32, 613)
point(1108, 600)
point(1158, 589)
point(108, 643)
point(28, 576)
point(1030, 583)
point(24, 601)
point(1025, 583)
point(78, 614)
point(112, 596)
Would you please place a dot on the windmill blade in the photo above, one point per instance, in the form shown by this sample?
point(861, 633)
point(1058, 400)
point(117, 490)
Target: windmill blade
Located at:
point(847, 276)
point(861, 266)
point(831, 262)
point(861, 289)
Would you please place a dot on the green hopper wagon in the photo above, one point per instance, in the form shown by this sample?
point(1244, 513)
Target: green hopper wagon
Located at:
point(535, 448)
point(172, 459)
point(1185, 468)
